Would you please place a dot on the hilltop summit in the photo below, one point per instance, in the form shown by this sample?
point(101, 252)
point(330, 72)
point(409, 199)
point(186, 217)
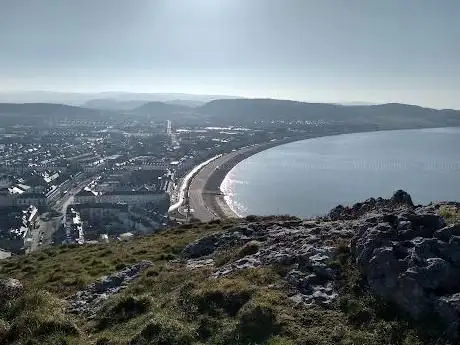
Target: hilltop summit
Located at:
point(371, 273)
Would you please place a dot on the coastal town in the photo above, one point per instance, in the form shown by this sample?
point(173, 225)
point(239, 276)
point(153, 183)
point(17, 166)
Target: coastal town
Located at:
point(80, 180)
point(229, 172)
point(75, 175)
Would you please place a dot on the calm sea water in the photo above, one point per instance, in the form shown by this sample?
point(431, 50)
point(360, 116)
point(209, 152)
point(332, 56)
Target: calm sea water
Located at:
point(310, 177)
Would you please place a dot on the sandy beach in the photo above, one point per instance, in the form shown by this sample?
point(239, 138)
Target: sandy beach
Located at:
point(206, 198)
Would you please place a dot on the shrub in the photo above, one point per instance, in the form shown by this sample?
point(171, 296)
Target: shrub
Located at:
point(207, 327)
point(223, 257)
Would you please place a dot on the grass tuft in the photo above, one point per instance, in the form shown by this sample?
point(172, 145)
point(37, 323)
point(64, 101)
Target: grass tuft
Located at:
point(450, 214)
point(122, 309)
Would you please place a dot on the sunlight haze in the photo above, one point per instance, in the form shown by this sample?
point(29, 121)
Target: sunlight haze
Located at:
point(322, 51)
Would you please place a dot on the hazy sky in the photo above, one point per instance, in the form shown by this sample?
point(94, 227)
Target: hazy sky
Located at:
point(314, 50)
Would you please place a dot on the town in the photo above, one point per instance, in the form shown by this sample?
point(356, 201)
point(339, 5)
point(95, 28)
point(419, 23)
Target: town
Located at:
point(83, 180)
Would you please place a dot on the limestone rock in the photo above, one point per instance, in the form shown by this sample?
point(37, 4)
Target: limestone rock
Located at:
point(10, 288)
point(410, 257)
point(89, 300)
point(407, 254)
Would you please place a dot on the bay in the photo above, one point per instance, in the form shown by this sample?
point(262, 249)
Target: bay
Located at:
point(309, 177)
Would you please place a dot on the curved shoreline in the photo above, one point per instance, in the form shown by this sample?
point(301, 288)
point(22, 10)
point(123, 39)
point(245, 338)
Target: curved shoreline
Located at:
point(206, 197)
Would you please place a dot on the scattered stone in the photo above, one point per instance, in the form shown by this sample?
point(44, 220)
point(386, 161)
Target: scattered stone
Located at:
point(89, 300)
point(300, 246)
point(447, 232)
point(208, 244)
point(10, 289)
point(195, 264)
point(407, 253)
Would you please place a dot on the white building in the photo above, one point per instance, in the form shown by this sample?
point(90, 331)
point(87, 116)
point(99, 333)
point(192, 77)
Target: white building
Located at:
point(86, 195)
point(74, 228)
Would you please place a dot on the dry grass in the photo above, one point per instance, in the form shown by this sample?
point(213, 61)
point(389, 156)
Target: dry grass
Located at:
point(66, 269)
point(170, 305)
point(450, 214)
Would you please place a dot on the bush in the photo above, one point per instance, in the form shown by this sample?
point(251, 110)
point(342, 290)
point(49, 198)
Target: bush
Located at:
point(40, 317)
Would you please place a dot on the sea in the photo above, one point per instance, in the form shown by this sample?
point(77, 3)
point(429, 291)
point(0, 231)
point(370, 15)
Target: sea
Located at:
point(309, 177)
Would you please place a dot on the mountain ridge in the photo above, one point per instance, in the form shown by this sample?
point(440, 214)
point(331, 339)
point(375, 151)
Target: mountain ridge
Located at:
point(383, 116)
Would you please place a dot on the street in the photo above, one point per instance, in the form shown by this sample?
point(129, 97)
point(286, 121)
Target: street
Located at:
point(51, 221)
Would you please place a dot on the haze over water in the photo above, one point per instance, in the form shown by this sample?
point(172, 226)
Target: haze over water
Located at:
point(310, 177)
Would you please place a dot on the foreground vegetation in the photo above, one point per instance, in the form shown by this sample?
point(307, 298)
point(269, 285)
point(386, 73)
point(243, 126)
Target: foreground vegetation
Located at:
point(450, 214)
point(171, 305)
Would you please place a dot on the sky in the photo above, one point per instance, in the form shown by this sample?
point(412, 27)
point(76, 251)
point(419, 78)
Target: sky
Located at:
point(371, 51)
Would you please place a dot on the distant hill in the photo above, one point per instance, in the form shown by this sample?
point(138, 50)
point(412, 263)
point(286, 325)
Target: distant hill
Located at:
point(188, 103)
point(392, 115)
point(30, 113)
point(75, 98)
point(113, 104)
point(31, 109)
point(230, 111)
point(129, 105)
point(164, 111)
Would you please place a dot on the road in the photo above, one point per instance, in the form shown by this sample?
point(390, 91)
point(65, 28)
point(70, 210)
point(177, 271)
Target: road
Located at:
point(43, 235)
point(196, 190)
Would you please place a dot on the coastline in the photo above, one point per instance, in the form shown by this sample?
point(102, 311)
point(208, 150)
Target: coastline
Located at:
point(206, 198)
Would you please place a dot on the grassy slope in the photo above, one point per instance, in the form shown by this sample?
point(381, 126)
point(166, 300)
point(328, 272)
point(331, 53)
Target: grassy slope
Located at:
point(170, 305)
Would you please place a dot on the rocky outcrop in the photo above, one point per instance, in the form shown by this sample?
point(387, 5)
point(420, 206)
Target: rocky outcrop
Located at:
point(400, 199)
point(304, 247)
point(412, 258)
point(407, 254)
point(89, 300)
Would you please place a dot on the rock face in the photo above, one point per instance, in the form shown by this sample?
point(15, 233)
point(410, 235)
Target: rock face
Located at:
point(407, 254)
point(301, 246)
point(412, 258)
point(89, 300)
